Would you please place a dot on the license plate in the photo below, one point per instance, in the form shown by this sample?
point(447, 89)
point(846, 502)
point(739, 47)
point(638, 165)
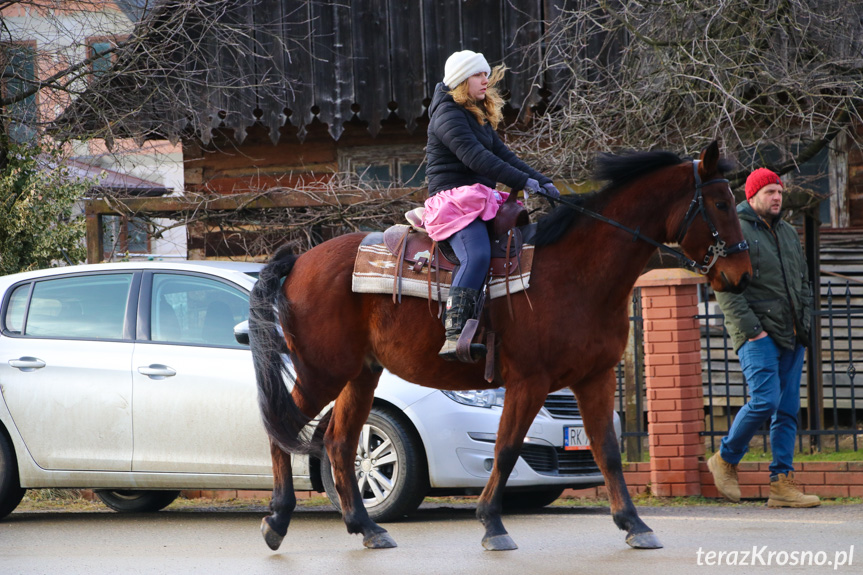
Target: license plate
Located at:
point(575, 438)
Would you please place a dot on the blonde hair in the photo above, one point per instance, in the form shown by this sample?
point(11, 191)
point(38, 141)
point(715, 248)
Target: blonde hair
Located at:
point(490, 109)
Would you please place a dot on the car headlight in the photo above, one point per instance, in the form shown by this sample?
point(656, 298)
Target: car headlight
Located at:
point(478, 397)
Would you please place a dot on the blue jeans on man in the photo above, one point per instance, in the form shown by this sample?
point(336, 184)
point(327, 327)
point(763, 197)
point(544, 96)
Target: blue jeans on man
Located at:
point(773, 376)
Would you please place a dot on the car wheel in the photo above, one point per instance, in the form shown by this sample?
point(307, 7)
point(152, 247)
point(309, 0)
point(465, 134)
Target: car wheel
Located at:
point(137, 501)
point(11, 492)
point(390, 467)
point(514, 500)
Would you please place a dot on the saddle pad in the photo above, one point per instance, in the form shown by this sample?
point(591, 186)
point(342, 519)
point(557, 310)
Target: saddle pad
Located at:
point(375, 266)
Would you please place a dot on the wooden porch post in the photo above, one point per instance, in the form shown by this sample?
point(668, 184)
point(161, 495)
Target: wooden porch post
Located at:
point(95, 248)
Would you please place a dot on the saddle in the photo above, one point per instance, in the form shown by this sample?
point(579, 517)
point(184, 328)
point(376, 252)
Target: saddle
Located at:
point(411, 243)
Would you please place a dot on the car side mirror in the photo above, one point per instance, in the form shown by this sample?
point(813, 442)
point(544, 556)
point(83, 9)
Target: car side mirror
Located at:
point(241, 332)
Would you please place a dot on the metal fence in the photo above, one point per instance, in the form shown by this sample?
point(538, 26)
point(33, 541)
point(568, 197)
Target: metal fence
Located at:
point(828, 417)
point(831, 416)
point(631, 400)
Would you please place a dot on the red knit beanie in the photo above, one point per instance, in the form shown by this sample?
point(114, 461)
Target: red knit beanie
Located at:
point(758, 179)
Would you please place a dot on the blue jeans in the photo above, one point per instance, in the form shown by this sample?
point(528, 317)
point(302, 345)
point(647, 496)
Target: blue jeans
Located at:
point(773, 376)
point(472, 247)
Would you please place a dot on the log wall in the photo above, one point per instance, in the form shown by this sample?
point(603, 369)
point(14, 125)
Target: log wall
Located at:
point(258, 165)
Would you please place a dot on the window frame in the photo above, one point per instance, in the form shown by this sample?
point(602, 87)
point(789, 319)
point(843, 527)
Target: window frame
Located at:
point(129, 317)
point(391, 156)
point(25, 112)
point(91, 41)
point(121, 246)
point(145, 303)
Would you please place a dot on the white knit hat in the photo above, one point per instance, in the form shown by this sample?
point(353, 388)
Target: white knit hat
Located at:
point(462, 65)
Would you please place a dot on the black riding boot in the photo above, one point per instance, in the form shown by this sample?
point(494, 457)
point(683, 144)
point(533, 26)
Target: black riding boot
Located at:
point(460, 307)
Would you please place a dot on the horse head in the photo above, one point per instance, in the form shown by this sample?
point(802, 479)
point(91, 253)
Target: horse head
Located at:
point(709, 231)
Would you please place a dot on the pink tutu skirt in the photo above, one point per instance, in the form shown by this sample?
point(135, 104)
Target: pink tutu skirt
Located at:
point(452, 210)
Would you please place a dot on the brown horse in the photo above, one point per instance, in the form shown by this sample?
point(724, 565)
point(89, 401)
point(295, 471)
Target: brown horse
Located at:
point(571, 334)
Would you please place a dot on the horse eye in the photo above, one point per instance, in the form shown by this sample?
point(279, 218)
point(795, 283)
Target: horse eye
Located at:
point(723, 206)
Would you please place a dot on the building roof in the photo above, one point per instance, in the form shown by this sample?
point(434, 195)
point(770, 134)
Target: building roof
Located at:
point(292, 61)
point(134, 9)
point(113, 182)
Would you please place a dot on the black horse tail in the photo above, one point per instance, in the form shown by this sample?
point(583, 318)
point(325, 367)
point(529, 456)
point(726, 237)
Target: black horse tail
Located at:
point(287, 426)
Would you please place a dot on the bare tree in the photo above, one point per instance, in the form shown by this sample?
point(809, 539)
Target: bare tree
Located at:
point(160, 73)
point(141, 69)
point(47, 50)
point(775, 80)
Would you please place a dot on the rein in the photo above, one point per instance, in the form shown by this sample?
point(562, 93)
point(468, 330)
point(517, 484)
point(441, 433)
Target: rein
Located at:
point(714, 252)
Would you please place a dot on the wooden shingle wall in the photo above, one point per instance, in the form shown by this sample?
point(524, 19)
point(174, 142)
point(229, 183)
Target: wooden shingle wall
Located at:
point(329, 61)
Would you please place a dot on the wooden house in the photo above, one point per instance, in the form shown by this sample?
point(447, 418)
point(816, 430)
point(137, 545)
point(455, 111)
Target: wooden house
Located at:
point(331, 88)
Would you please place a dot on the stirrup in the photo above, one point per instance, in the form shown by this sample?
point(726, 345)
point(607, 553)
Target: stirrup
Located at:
point(449, 352)
point(466, 351)
point(462, 349)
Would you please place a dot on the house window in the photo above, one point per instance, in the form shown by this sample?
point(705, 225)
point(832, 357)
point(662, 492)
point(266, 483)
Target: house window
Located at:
point(102, 63)
point(385, 166)
point(374, 174)
point(18, 67)
point(122, 235)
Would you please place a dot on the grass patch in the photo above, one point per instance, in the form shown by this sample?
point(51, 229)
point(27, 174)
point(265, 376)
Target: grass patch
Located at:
point(314, 501)
point(759, 455)
point(647, 500)
point(70, 500)
point(58, 500)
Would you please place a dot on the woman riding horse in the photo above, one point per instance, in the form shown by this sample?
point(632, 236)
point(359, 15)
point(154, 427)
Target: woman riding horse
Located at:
point(466, 159)
point(340, 340)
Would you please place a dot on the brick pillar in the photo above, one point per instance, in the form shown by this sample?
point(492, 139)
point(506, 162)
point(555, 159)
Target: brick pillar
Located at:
point(672, 365)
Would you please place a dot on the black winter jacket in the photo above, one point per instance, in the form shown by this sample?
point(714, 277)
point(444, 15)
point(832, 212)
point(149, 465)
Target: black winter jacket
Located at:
point(460, 152)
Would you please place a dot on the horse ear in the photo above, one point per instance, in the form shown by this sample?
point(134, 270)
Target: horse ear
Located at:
point(709, 159)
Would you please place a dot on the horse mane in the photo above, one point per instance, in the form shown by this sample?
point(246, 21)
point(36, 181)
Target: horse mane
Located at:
point(617, 170)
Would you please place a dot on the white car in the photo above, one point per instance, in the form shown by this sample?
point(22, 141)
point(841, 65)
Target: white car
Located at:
point(127, 378)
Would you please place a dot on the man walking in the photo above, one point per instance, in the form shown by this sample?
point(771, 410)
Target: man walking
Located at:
point(769, 325)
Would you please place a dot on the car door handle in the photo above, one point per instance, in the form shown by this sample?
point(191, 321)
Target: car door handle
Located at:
point(157, 371)
point(27, 363)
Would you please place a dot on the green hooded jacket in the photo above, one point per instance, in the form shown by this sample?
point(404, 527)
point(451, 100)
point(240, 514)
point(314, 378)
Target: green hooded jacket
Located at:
point(779, 299)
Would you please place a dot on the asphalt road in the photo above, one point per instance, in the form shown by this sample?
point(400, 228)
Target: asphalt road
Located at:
point(439, 540)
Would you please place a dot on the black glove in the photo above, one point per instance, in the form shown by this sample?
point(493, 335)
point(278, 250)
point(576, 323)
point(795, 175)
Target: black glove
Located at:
point(551, 191)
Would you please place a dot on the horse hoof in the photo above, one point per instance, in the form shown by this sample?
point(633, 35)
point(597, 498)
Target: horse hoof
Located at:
point(646, 540)
point(379, 541)
point(499, 543)
point(272, 538)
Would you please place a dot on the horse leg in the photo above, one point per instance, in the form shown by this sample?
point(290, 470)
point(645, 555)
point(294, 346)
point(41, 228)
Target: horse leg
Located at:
point(275, 526)
point(349, 416)
point(596, 403)
point(519, 411)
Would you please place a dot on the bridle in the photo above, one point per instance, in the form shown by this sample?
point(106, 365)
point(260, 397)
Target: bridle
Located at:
point(719, 249)
point(696, 206)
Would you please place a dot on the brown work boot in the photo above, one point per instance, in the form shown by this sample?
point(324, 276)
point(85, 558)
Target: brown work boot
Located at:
point(725, 477)
point(784, 492)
